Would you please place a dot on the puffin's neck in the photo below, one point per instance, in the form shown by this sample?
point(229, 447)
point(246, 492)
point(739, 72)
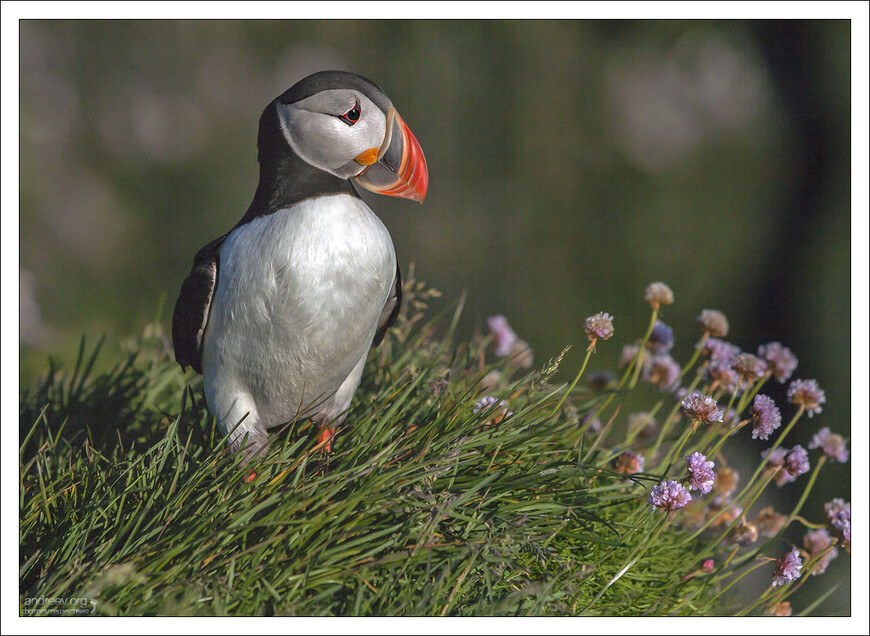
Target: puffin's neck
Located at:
point(285, 178)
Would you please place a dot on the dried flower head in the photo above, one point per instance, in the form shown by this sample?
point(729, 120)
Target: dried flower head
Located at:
point(744, 533)
point(599, 326)
point(806, 393)
point(701, 475)
point(782, 608)
point(669, 496)
point(766, 417)
point(817, 541)
point(788, 568)
point(661, 339)
point(717, 350)
point(714, 322)
point(796, 461)
point(769, 521)
point(726, 481)
point(663, 371)
point(725, 518)
point(780, 360)
point(832, 445)
point(657, 294)
point(701, 408)
point(627, 463)
point(503, 336)
point(749, 367)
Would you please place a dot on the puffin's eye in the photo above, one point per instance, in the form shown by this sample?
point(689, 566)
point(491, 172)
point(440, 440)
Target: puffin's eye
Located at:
point(351, 116)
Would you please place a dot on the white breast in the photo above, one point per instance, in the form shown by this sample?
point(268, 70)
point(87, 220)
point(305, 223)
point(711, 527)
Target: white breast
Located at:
point(297, 305)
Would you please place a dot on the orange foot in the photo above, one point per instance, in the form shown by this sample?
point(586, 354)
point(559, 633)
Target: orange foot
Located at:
point(325, 438)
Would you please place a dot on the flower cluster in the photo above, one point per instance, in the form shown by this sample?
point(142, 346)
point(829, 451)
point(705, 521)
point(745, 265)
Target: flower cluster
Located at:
point(788, 568)
point(766, 417)
point(807, 394)
point(816, 542)
point(669, 496)
point(724, 374)
point(780, 360)
point(508, 344)
point(832, 445)
point(657, 294)
point(701, 475)
point(701, 408)
point(714, 322)
point(599, 326)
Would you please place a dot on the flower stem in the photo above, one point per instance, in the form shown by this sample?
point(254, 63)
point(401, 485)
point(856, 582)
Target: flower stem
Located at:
point(638, 359)
point(574, 383)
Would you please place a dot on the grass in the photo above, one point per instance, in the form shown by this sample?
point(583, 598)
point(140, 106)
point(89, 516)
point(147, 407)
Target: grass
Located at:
point(426, 506)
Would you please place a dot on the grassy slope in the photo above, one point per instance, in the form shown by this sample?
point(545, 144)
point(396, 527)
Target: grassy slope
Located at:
point(424, 508)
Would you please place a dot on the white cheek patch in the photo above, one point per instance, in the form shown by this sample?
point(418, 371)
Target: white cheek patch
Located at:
point(314, 131)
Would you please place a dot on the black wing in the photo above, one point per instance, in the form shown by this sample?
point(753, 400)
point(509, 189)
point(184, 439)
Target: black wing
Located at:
point(391, 309)
point(193, 306)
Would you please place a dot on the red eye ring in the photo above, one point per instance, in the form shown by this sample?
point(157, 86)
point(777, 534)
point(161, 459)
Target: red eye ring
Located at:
point(352, 116)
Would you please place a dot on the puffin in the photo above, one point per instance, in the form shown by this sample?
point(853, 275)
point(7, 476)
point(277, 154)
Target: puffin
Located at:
point(279, 313)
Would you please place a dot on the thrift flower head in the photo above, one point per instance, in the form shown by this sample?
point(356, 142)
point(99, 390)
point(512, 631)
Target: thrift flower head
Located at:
point(707, 566)
point(669, 495)
point(788, 568)
point(796, 461)
point(724, 376)
point(766, 417)
point(599, 326)
point(775, 460)
point(663, 371)
point(629, 352)
point(835, 506)
point(627, 463)
point(503, 336)
point(842, 523)
point(720, 351)
point(806, 393)
point(780, 360)
point(701, 408)
point(769, 522)
point(832, 445)
point(661, 339)
point(701, 475)
point(817, 541)
point(749, 368)
point(715, 323)
point(657, 294)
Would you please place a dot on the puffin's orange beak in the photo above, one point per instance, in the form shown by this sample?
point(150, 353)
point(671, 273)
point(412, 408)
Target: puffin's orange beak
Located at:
point(400, 169)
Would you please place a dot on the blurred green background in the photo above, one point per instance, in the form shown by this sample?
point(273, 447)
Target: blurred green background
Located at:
point(571, 164)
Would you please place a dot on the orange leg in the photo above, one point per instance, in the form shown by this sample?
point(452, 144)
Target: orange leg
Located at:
point(325, 438)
